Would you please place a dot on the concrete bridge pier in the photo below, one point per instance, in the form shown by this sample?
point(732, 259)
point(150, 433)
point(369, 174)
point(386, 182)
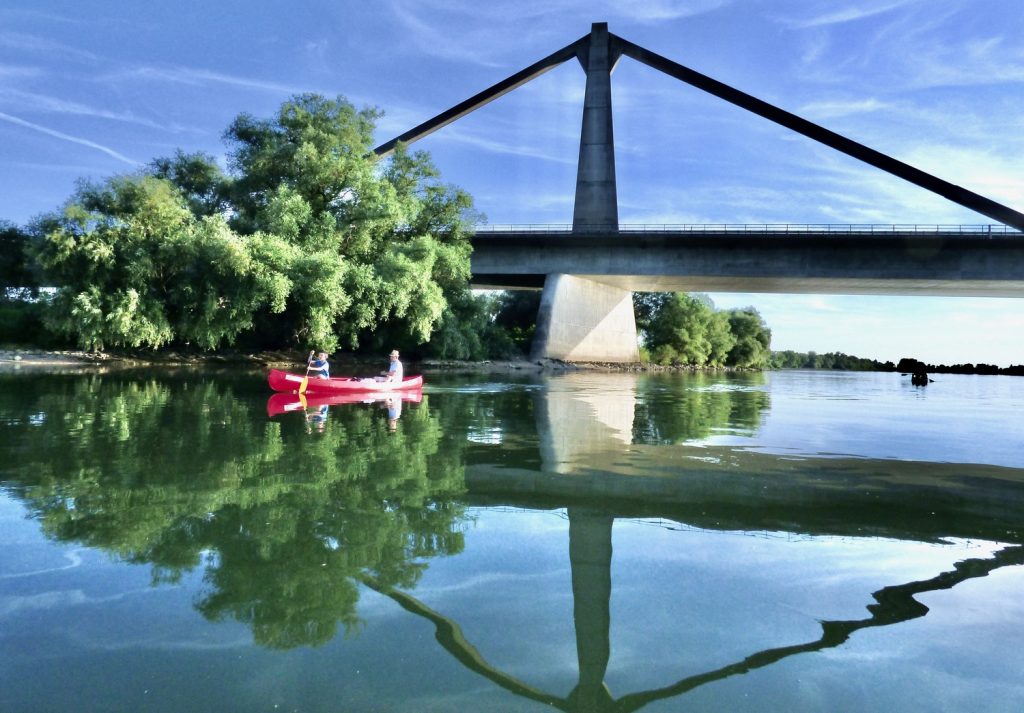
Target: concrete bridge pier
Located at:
point(584, 320)
point(579, 319)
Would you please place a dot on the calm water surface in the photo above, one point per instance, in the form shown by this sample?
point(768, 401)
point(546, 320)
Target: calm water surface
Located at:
point(589, 542)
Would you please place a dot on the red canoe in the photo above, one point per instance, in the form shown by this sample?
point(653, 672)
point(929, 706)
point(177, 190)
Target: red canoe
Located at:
point(286, 381)
point(284, 403)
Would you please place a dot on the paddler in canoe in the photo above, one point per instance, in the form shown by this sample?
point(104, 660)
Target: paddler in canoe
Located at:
point(394, 370)
point(319, 366)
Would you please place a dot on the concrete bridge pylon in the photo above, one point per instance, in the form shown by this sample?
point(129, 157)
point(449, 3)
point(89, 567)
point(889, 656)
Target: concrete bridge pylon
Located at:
point(580, 319)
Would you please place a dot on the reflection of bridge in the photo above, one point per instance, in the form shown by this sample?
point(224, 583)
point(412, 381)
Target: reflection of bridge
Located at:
point(589, 459)
point(587, 275)
point(585, 424)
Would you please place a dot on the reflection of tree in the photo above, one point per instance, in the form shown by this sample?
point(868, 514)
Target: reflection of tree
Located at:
point(179, 472)
point(708, 403)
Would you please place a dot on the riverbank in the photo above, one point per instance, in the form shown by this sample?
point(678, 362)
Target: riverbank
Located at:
point(37, 359)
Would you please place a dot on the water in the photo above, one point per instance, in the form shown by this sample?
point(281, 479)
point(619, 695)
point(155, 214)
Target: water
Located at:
point(589, 542)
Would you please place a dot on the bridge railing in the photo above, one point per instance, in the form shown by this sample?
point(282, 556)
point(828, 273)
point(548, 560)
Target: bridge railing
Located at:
point(757, 228)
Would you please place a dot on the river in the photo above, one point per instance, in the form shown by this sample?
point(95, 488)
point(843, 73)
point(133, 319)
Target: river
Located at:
point(792, 540)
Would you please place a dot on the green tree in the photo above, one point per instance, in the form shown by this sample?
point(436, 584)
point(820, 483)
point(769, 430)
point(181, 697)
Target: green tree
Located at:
point(307, 241)
point(468, 330)
point(684, 328)
point(136, 268)
point(199, 179)
point(385, 245)
point(752, 348)
point(17, 268)
point(517, 316)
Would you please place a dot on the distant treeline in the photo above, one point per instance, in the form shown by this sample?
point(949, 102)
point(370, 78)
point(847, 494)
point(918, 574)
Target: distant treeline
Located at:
point(789, 359)
point(913, 365)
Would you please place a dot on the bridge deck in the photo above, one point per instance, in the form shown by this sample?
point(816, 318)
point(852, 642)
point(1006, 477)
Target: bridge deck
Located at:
point(838, 259)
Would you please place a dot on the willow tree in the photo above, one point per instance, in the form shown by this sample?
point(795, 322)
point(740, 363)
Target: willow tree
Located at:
point(135, 267)
point(379, 242)
point(305, 240)
point(687, 329)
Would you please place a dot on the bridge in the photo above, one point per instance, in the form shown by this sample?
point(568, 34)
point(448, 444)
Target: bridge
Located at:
point(588, 270)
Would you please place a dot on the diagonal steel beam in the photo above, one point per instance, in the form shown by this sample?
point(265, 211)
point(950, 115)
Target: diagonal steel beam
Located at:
point(488, 95)
point(950, 191)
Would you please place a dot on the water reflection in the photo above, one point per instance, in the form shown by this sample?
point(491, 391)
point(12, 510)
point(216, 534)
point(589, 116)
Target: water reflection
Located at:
point(590, 552)
point(178, 474)
point(587, 417)
point(186, 472)
point(315, 408)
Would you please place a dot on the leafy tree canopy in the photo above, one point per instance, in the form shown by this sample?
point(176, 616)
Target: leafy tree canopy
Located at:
point(307, 240)
point(686, 328)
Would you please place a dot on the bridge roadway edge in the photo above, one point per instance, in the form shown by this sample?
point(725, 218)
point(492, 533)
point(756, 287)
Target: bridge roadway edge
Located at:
point(895, 263)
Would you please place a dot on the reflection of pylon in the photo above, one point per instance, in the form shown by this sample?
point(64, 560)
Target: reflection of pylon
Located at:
point(598, 52)
point(590, 550)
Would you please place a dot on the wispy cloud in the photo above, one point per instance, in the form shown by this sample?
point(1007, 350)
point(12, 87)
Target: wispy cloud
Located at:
point(437, 39)
point(975, 62)
point(67, 137)
point(662, 10)
point(839, 108)
point(42, 45)
point(454, 133)
point(15, 71)
point(199, 78)
point(859, 11)
point(40, 102)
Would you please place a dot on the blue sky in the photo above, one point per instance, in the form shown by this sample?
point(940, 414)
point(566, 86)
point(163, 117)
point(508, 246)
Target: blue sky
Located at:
point(95, 88)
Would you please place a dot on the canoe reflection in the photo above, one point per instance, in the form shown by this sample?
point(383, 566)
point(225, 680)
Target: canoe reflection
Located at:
point(279, 403)
point(316, 407)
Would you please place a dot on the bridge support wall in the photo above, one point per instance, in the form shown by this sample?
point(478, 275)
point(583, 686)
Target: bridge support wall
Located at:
point(583, 320)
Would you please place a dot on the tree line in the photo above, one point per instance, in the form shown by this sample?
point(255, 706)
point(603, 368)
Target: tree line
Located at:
point(789, 359)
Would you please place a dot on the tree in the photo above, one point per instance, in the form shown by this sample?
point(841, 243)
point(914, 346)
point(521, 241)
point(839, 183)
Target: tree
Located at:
point(199, 179)
point(517, 316)
point(307, 241)
point(16, 266)
point(685, 328)
point(397, 237)
point(753, 339)
point(136, 268)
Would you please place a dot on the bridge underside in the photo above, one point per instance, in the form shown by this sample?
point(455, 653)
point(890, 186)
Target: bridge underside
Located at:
point(647, 283)
point(913, 264)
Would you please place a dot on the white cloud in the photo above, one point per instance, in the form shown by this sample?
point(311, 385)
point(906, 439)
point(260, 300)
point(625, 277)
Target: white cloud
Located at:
point(27, 101)
point(199, 77)
point(852, 13)
point(67, 137)
point(666, 10)
point(15, 71)
point(43, 46)
point(832, 109)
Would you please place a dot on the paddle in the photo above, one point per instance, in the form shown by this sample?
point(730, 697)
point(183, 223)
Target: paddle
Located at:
point(305, 379)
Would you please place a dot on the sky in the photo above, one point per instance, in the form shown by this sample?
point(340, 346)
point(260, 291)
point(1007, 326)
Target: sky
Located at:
point(95, 88)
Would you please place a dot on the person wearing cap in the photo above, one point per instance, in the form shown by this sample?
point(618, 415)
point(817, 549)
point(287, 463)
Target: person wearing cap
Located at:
point(394, 370)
